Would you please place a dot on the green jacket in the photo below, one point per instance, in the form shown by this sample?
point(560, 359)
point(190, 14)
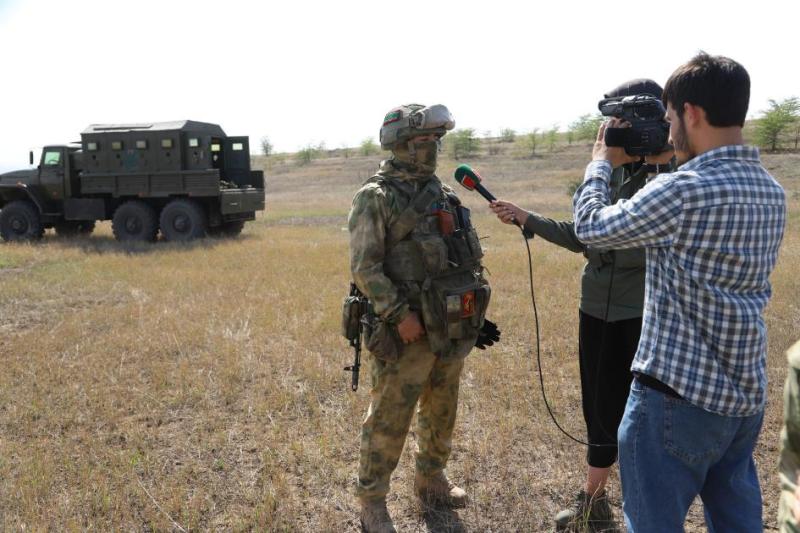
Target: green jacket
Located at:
point(627, 286)
point(790, 442)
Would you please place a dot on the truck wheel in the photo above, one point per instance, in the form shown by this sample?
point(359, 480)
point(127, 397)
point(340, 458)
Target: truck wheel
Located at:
point(72, 228)
point(183, 220)
point(135, 221)
point(20, 221)
point(227, 229)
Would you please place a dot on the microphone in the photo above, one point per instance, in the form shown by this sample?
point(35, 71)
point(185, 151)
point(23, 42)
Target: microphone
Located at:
point(471, 180)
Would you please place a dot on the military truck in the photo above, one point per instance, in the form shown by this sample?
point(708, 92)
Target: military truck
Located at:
point(185, 178)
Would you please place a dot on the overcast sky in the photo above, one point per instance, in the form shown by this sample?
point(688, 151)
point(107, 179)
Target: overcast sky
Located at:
point(307, 72)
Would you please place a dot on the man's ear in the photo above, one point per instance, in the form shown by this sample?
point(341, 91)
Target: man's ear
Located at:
point(693, 115)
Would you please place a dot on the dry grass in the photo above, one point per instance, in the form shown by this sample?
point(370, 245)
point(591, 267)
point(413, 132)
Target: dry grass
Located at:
point(163, 387)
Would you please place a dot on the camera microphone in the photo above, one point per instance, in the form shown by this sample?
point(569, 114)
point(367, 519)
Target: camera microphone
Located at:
point(471, 180)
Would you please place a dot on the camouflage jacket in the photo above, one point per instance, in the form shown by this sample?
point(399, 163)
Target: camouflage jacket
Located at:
point(790, 443)
point(375, 207)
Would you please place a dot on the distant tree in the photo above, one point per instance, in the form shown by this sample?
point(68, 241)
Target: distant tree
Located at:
point(492, 145)
point(776, 120)
point(586, 126)
point(530, 141)
point(462, 143)
point(266, 146)
point(570, 136)
point(368, 147)
point(552, 137)
point(507, 135)
point(345, 151)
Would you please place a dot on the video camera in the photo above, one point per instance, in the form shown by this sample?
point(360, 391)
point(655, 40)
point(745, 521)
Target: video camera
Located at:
point(649, 131)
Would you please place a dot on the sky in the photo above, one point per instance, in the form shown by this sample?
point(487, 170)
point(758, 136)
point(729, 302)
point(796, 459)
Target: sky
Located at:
point(305, 72)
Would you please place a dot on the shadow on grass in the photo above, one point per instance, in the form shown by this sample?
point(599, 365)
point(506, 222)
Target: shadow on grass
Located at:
point(443, 521)
point(105, 244)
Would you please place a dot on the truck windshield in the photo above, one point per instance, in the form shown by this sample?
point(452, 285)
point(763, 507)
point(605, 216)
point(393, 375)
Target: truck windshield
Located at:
point(52, 159)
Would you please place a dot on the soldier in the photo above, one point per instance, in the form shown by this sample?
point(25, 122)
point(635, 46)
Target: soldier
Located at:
point(789, 508)
point(416, 256)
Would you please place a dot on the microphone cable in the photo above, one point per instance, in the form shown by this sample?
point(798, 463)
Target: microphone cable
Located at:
point(539, 355)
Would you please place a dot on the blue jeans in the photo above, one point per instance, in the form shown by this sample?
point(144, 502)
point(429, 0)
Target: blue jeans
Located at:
point(670, 451)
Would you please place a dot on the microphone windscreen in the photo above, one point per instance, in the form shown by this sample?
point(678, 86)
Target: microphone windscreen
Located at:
point(467, 177)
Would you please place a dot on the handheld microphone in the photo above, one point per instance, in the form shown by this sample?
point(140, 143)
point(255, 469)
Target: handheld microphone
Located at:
point(471, 180)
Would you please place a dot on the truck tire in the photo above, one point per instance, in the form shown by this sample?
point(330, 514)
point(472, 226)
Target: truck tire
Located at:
point(227, 229)
point(135, 221)
point(183, 220)
point(20, 221)
point(73, 228)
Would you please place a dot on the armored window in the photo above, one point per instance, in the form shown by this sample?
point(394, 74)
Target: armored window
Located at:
point(91, 147)
point(116, 145)
point(215, 147)
point(194, 143)
point(52, 159)
point(141, 145)
point(237, 147)
point(166, 143)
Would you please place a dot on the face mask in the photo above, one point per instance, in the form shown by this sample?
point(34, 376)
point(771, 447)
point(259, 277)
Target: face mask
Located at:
point(422, 162)
point(425, 156)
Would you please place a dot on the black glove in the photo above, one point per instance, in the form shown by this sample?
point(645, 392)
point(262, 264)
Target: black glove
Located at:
point(488, 335)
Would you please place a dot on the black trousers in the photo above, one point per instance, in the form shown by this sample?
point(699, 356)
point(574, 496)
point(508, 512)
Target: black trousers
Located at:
point(605, 361)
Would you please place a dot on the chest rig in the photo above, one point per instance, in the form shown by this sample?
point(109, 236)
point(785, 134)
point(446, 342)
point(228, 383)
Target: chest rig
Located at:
point(433, 256)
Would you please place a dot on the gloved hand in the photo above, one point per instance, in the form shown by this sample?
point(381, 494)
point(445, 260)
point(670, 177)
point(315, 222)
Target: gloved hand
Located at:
point(488, 335)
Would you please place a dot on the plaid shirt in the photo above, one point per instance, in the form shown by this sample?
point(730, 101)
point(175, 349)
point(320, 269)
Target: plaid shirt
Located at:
point(712, 230)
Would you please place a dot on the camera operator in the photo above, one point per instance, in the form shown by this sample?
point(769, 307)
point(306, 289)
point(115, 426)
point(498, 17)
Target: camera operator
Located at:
point(610, 320)
point(711, 230)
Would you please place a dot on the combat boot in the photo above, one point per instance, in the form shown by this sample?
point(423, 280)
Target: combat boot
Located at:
point(375, 517)
point(438, 490)
point(588, 515)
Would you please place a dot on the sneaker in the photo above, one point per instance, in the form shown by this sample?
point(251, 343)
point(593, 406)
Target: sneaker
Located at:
point(588, 515)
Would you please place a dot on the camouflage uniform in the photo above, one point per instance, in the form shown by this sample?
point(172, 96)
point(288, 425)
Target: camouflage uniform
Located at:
point(418, 374)
point(790, 443)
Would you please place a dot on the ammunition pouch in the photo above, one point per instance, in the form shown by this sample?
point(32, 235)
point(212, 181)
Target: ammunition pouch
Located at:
point(382, 339)
point(453, 308)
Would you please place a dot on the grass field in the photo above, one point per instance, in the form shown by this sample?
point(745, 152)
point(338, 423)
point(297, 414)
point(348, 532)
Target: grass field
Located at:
point(199, 387)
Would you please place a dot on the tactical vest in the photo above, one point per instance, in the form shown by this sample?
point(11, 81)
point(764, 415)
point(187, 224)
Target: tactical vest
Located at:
point(433, 256)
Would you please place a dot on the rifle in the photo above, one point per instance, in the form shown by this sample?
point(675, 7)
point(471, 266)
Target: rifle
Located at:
point(354, 312)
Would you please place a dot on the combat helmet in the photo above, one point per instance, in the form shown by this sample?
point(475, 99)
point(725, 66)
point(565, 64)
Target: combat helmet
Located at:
point(407, 121)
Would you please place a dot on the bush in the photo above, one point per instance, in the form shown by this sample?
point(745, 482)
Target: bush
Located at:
point(368, 147)
point(572, 186)
point(585, 128)
point(306, 155)
point(527, 143)
point(462, 143)
point(508, 135)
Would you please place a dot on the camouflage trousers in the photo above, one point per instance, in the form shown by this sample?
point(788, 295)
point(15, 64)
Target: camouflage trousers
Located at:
point(417, 376)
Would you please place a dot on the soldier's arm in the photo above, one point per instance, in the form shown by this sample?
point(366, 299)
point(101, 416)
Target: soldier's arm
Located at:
point(367, 223)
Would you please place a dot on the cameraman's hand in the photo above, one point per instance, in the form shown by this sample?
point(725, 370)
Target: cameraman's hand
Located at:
point(508, 213)
point(410, 328)
point(663, 158)
point(613, 154)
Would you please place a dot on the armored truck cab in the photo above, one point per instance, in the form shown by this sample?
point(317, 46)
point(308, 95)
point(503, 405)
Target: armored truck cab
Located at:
point(185, 178)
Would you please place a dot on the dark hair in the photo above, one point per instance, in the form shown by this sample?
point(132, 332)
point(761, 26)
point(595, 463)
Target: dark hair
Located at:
point(718, 84)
